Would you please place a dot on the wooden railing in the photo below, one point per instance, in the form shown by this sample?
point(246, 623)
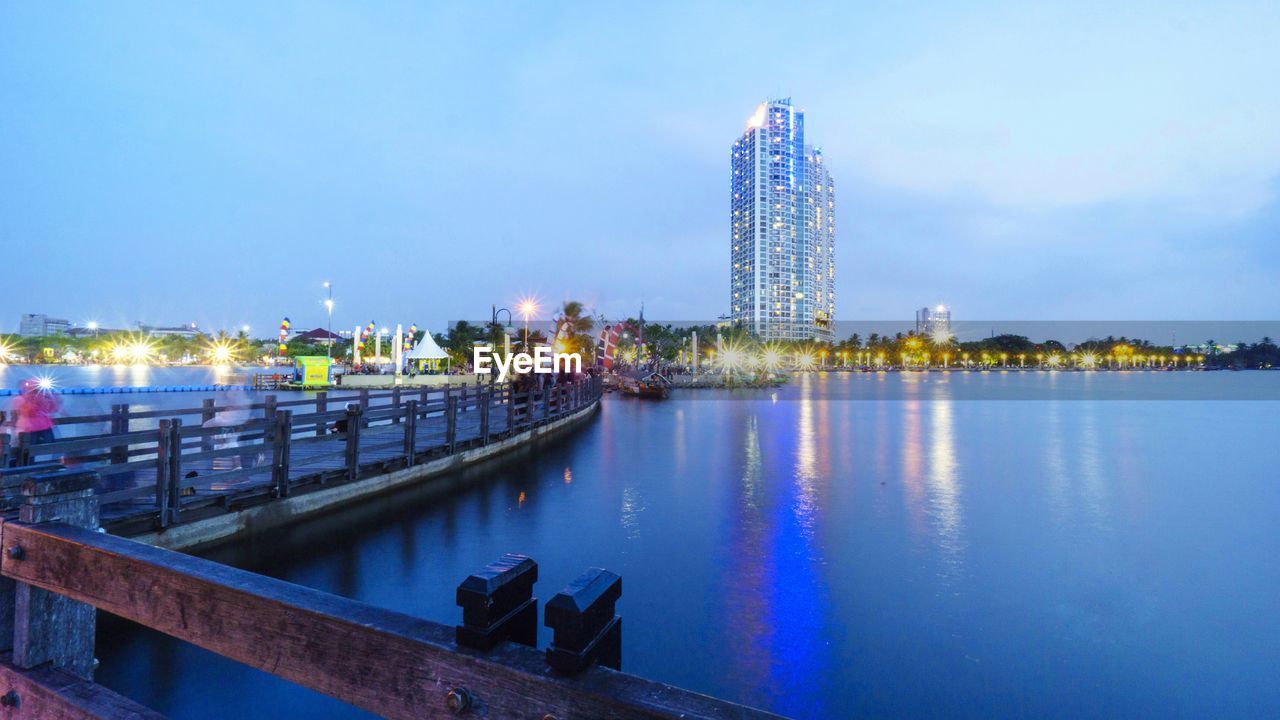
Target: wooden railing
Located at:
point(57, 570)
point(156, 466)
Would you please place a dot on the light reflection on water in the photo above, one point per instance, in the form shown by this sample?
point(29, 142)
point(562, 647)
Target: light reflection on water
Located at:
point(919, 556)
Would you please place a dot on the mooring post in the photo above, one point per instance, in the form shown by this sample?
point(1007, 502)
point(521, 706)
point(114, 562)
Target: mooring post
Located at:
point(410, 433)
point(47, 627)
point(280, 449)
point(498, 604)
point(164, 438)
point(322, 407)
point(585, 629)
point(355, 414)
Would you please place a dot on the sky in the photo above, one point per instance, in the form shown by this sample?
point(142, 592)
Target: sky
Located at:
point(216, 163)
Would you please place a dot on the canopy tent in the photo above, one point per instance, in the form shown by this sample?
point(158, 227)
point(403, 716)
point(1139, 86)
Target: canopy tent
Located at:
point(426, 349)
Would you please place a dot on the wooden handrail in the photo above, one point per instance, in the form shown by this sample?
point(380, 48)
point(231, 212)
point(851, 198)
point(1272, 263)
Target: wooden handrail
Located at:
point(179, 443)
point(395, 665)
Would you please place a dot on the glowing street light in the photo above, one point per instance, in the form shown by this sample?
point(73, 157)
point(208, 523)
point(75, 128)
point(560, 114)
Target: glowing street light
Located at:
point(528, 307)
point(328, 305)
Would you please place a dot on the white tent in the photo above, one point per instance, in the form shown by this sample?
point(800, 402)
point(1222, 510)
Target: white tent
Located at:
point(426, 349)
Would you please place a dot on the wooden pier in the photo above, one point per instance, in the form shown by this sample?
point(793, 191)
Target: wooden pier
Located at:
point(56, 570)
point(160, 468)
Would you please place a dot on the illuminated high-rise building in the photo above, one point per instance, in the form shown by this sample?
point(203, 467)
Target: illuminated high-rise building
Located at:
point(782, 257)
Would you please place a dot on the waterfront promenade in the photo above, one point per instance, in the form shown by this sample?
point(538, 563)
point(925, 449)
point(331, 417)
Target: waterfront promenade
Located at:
point(191, 476)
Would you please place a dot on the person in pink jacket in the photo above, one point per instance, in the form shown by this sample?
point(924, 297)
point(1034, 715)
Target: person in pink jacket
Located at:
point(33, 411)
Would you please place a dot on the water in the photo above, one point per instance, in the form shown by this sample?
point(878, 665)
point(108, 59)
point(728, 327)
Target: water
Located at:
point(938, 553)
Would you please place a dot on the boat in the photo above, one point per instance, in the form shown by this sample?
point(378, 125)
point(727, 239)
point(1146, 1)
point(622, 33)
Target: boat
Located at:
point(649, 386)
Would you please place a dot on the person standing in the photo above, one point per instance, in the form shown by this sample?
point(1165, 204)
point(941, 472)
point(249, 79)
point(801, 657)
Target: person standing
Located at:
point(34, 410)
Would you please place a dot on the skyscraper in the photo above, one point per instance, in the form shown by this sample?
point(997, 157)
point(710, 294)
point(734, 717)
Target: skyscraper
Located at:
point(782, 257)
point(934, 322)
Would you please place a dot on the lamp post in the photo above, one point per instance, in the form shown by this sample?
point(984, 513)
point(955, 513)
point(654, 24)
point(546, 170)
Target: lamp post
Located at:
point(328, 304)
point(527, 308)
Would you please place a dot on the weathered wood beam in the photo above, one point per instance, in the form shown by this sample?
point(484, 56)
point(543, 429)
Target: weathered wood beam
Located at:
point(47, 694)
point(386, 662)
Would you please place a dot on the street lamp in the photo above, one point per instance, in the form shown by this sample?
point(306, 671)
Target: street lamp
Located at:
point(328, 305)
point(528, 307)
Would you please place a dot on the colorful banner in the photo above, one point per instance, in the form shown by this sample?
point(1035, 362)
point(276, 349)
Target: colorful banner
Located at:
point(284, 336)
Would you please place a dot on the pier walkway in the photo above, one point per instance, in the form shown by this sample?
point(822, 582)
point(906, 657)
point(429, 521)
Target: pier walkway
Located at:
point(159, 468)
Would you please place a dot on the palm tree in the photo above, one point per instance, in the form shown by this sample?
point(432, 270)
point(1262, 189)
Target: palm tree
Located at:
point(578, 329)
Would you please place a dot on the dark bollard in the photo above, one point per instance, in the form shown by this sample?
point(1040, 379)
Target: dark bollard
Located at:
point(586, 630)
point(498, 604)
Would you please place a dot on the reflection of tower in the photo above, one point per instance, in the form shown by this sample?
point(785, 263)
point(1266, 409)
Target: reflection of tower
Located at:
point(933, 321)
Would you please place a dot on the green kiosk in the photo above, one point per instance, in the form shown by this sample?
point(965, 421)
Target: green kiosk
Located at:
point(312, 371)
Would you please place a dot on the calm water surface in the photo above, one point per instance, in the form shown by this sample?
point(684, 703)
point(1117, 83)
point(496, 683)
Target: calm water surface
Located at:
point(940, 552)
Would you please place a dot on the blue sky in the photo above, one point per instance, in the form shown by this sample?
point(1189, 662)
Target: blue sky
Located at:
point(172, 162)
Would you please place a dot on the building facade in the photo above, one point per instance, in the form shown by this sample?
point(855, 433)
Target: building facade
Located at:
point(934, 321)
point(782, 234)
point(40, 325)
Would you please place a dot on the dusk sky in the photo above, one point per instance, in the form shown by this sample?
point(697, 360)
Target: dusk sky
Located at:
point(172, 163)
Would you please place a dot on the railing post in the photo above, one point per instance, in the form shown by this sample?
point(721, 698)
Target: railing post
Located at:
point(175, 468)
point(510, 394)
point(364, 399)
point(486, 399)
point(268, 418)
point(207, 413)
point(47, 627)
point(322, 407)
point(164, 439)
point(280, 449)
point(585, 630)
point(4, 450)
point(498, 604)
point(22, 450)
point(119, 426)
point(410, 433)
point(451, 423)
point(355, 415)
point(395, 403)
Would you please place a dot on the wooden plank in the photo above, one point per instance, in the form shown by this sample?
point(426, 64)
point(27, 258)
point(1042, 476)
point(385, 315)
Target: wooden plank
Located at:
point(386, 662)
point(46, 694)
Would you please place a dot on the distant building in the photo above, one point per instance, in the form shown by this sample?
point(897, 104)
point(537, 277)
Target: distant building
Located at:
point(933, 321)
point(782, 229)
point(318, 335)
point(186, 331)
point(40, 325)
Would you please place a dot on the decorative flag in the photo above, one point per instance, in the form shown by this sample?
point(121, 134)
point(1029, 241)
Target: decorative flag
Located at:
point(284, 336)
point(413, 336)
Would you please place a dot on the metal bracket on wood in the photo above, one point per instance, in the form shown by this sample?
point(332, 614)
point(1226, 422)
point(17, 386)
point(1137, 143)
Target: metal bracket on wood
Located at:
point(585, 629)
point(498, 604)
